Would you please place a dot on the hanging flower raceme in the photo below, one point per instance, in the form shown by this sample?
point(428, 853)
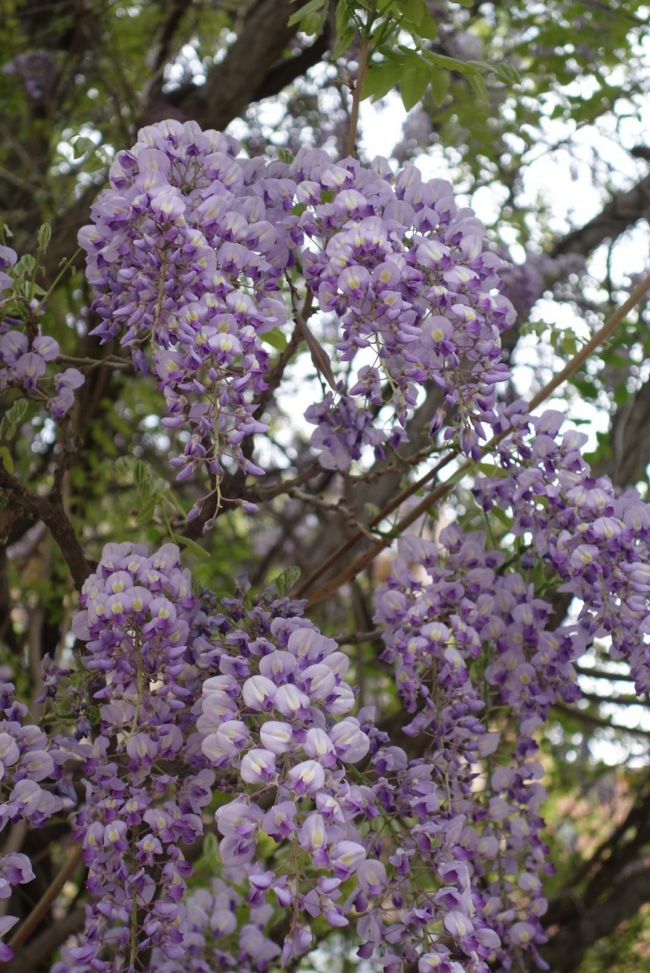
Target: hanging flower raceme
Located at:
point(465, 636)
point(595, 541)
point(368, 852)
point(31, 789)
point(415, 293)
point(26, 354)
point(145, 784)
point(185, 253)
point(277, 715)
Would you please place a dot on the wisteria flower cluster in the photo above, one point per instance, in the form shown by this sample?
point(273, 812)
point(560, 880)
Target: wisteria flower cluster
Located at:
point(275, 722)
point(457, 626)
point(277, 714)
point(225, 731)
point(595, 541)
point(414, 291)
point(25, 353)
point(187, 252)
point(145, 785)
point(272, 729)
point(32, 788)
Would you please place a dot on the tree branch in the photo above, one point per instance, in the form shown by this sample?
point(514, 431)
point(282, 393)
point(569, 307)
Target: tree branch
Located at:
point(44, 946)
point(50, 510)
point(232, 84)
point(565, 950)
point(42, 907)
point(622, 211)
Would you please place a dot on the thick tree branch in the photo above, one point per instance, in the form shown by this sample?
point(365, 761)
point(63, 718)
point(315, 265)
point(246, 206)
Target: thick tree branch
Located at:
point(629, 441)
point(50, 510)
point(623, 210)
point(565, 950)
point(231, 85)
point(292, 68)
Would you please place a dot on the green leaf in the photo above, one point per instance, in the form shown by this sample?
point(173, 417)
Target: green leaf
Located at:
point(211, 848)
point(439, 82)
point(345, 30)
point(477, 84)
point(191, 546)
point(153, 492)
point(11, 418)
point(490, 469)
point(44, 237)
point(502, 517)
point(26, 266)
point(344, 39)
point(471, 70)
point(6, 460)
point(506, 72)
point(381, 78)
point(414, 82)
point(287, 579)
point(276, 339)
point(313, 7)
point(82, 146)
point(412, 10)
point(342, 16)
point(371, 510)
point(418, 20)
point(443, 61)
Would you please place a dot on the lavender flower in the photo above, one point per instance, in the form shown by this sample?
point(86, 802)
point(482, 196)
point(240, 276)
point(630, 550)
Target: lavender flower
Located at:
point(25, 354)
point(185, 254)
point(31, 767)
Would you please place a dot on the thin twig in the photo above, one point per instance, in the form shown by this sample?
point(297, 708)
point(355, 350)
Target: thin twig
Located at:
point(594, 673)
point(42, 907)
point(111, 361)
point(364, 50)
point(358, 535)
point(354, 638)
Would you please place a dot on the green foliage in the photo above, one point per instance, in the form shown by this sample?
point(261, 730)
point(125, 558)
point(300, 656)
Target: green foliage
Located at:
point(12, 417)
point(310, 17)
point(154, 494)
point(287, 580)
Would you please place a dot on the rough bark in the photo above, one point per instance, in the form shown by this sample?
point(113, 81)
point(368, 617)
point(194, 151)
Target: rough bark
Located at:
point(565, 951)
